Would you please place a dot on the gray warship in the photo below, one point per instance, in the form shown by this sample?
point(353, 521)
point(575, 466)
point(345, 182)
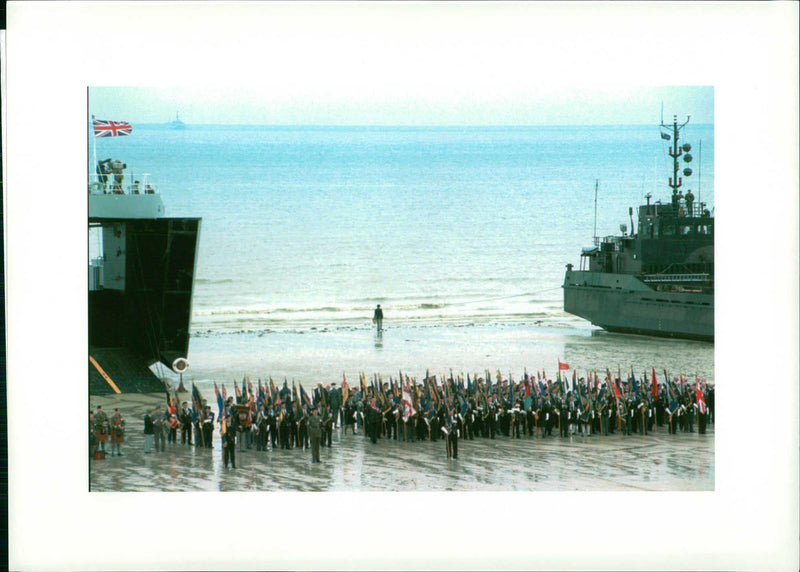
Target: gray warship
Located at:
point(657, 280)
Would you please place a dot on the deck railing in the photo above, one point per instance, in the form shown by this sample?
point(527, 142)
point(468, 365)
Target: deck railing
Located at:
point(125, 184)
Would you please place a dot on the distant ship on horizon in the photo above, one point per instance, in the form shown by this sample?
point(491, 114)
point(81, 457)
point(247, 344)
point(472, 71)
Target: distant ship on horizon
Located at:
point(177, 123)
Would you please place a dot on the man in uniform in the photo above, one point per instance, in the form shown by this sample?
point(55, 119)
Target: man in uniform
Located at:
point(373, 421)
point(517, 417)
point(302, 428)
point(389, 420)
point(630, 406)
point(349, 417)
point(285, 429)
point(566, 411)
point(315, 432)
point(159, 430)
point(585, 415)
point(101, 427)
point(262, 429)
point(326, 427)
point(208, 427)
point(149, 431)
point(92, 436)
point(197, 417)
point(272, 427)
point(453, 422)
point(117, 432)
point(173, 428)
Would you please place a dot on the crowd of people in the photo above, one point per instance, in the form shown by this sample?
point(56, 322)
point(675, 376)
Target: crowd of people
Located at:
point(447, 408)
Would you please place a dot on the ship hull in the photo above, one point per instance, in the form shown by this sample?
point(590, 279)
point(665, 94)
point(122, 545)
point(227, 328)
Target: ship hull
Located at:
point(140, 314)
point(622, 303)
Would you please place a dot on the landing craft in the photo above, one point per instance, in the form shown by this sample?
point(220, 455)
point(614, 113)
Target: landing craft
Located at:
point(658, 281)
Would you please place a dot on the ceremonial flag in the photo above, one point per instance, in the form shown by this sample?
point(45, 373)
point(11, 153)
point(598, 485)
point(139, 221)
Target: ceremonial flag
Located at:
point(170, 402)
point(701, 402)
point(655, 383)
point(304, 397)
point(222, 417)
point(262, 396)
point(563, 366)
point(220, 401)
point(105, 128)
point(463, 403)
point(237, 391)
point(408, 405)
point(197, 403)
point(273, 391)
point(345, 389)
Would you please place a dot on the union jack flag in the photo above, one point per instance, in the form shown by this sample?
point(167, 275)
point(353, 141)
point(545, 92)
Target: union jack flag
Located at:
point(105, 128)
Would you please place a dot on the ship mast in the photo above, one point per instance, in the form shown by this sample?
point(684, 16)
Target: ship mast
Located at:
point(675, 152)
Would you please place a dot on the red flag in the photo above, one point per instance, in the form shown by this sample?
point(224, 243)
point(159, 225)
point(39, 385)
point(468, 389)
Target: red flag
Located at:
point(563, 366)
point(701, 402)
point(655, 384)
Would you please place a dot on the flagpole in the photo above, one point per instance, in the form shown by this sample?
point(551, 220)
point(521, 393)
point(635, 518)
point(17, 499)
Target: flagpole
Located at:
point(94, 146)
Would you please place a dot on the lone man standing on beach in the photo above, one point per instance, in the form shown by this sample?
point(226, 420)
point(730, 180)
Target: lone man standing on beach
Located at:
point(377, 318)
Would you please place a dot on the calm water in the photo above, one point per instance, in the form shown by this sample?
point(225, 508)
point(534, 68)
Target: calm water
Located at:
point(306, 229)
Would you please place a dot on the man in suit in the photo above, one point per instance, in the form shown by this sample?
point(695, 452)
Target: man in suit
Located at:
point(186, 424)
point(453, 423)
point(208, 427)
point(335, 400)
point(232, 424)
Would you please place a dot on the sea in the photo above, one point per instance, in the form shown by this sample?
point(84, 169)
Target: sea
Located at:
point(461, 234)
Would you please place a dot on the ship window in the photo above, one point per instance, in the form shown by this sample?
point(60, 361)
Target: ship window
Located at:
point(668, 230)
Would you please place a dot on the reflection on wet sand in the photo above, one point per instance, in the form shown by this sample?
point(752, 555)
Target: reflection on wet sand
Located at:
point(657, 462)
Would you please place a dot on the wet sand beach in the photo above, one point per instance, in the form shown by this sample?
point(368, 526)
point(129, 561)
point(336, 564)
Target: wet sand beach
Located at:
point(654, 462)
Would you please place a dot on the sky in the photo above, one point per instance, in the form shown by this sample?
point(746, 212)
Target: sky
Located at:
point(344, 106)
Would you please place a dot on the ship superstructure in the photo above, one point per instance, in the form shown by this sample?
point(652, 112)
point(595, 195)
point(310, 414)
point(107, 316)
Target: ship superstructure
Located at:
point(658, 279)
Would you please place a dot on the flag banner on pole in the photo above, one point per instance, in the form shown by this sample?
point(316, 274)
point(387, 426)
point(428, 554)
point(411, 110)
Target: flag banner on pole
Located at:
point(655, 383)
point(408, 405)
point(701, 402)
point(105, 128)
point(563, 366)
